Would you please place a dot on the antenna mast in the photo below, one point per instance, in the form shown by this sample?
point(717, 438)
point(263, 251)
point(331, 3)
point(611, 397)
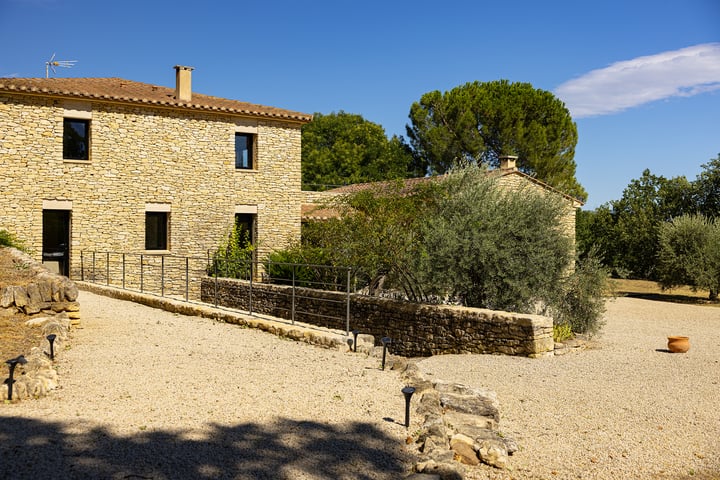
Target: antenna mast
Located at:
point(52, 63)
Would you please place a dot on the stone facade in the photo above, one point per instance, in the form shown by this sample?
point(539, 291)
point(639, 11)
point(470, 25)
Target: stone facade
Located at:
point(145, 155)
point(415, 329)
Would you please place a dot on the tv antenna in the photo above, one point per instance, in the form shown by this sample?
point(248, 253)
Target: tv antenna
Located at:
point(52, 63)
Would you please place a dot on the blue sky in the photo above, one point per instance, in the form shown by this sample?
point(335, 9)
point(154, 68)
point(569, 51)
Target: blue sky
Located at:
point(641, 78)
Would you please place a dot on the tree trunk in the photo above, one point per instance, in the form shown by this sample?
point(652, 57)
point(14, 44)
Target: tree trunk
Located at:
point(713, 294)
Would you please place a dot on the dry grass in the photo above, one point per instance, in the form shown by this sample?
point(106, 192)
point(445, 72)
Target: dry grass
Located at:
point(16, 338)
point(652, 291)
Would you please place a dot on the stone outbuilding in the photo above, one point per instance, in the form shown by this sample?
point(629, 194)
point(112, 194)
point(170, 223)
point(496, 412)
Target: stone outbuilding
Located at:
point(508, 176)
point(109, 164)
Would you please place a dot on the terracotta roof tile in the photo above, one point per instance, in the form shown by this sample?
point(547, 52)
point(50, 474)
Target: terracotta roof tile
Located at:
point(128, 91)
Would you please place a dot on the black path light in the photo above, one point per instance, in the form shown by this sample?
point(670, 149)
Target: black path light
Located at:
point(408, 392)
point(350, 343)
point(13, 362)
point(51, 338)
point(355, 334)
point(385, 341)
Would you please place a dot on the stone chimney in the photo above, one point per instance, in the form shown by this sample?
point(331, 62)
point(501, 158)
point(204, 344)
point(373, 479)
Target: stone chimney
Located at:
point(508, 162)
point(183, 83)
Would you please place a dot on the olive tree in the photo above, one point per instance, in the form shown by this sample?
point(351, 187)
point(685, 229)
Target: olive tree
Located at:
point(690, 253)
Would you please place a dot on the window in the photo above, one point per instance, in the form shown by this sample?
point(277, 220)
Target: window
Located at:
point(156, 230)
point(76, 139)
point(244, 150)
point(244, 223)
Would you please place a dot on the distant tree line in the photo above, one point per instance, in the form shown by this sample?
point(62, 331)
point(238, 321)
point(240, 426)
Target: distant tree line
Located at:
point(661, 229)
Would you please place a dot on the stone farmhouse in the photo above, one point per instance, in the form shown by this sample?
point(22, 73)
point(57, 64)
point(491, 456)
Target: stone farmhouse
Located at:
point(108, 164)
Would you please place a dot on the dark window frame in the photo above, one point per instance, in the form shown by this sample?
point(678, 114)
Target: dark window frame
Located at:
point(157, 227)
point(247, 147)
point(76, 141)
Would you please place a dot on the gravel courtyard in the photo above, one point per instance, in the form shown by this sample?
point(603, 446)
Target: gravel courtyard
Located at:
point(624, 409)
point(150, 394)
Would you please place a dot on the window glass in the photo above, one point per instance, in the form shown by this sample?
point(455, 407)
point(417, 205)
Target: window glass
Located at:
point(156, 224)
point(243, 150)
point(76, 139)
point(244, 223)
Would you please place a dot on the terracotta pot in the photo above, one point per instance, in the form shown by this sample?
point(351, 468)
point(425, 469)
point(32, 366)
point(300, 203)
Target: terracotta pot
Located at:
point(678, 344)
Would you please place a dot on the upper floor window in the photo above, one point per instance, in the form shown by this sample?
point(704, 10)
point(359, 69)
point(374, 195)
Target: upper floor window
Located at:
point(244, 150)
point(76, 139)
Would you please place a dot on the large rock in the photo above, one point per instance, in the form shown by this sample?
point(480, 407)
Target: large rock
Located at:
point(464, 399)
point(7, 298)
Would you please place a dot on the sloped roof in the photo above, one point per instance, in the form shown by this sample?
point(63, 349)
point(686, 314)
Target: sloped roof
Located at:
point(314, 211)
point(131, 92)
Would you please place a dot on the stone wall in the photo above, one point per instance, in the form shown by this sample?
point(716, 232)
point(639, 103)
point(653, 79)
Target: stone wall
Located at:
point(415, 329)
point(182, 160)
point(45, 293)
point(49, 304)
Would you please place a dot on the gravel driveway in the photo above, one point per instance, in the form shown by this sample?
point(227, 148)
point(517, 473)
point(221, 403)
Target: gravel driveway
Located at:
point(625, 409)
point(150, 394)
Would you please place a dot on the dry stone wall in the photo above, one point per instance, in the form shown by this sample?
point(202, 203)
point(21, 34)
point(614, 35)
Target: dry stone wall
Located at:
point(49, 302)
point(415, 329)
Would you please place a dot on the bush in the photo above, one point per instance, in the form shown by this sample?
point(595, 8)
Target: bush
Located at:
point(7, 239)
point(307, 266)
point(581, 302)
point(234, 257)
point(490, 247)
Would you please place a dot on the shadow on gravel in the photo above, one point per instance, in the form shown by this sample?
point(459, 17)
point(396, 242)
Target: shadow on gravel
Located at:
point(289, 449)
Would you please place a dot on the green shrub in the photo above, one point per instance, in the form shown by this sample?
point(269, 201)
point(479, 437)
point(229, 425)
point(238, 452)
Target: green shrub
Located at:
point(234, 257)
point(581, 301)
point(7, 239)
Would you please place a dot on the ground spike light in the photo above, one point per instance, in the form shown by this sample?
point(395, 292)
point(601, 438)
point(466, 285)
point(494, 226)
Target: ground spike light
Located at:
point(408, 392)
point(355, 334)
point(385, 341)
point(51, 338)
point(13, 362)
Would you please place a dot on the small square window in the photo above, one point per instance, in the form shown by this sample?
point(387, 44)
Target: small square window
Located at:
point(76, 139)
point(156, 230)
point(244, 150)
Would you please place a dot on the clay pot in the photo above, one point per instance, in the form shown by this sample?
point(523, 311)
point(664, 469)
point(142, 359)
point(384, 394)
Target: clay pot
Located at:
point(678, 344)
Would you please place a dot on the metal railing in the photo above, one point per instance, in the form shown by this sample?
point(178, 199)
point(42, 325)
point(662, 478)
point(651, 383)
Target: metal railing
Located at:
point(180, 278)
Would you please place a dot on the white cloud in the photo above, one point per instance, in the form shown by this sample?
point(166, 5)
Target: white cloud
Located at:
point(622, 85)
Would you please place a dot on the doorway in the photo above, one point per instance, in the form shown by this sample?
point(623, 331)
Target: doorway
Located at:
point(56, 241)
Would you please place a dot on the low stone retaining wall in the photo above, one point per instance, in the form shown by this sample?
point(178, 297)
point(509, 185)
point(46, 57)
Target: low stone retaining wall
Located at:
point(49, 303)
point(415, 329)
point(46, 292)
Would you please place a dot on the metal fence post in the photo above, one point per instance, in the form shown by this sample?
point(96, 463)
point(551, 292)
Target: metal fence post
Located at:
point(93, 268)
point(162, 275)
point(187, 278)
point(292, 315)
point(251, 287)
point(216, 288)
point(142, 272)
point(82, 265)
point(347, 312)
point(107, 268)
point(123, 271)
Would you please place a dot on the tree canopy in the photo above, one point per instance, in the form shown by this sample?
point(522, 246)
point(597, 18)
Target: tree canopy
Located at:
point(343, 148)
point(627, 231)
point(479, 122)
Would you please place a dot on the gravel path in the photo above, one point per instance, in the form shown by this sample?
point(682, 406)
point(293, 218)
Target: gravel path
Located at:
point(625, 409)
point(150, 394)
